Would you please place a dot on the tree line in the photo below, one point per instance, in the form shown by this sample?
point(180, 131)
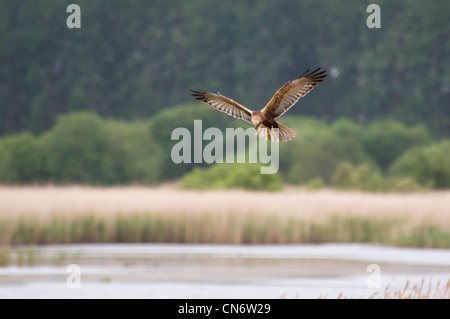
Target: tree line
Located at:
point(84, 148)
point(133, 58)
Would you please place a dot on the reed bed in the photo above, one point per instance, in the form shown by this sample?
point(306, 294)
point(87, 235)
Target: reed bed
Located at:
point(48, 215)
point(229, 229)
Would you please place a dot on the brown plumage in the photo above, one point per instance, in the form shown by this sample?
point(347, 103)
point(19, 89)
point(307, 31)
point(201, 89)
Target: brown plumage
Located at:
point(264, 120)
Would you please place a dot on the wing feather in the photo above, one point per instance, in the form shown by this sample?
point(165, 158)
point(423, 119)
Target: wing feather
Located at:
point(224, 104)
point(292, 91)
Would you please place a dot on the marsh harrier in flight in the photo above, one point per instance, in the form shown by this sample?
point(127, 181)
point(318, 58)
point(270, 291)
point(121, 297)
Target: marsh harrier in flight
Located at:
point(264, 120)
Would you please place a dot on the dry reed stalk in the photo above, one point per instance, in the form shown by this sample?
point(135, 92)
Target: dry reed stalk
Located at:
point(417, 291)
point(433, 292)
point(45, 201)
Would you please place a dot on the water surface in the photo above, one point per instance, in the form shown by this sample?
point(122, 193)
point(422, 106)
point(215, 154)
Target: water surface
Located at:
point(220, 271)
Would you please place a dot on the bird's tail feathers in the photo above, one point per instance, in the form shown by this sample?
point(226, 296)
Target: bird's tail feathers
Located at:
point(282, 133)
point(286, 133)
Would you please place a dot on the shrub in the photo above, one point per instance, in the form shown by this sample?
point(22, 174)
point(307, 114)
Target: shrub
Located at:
point(84, 148)
point(165, 121)
point(20, 160)
point(228, 176)
point(386, 140)
point(79, 149)
point(314, 184)
point(141, 154)
point(405, 185)
point(428, 165)
point(363, 178)
point(318, 149)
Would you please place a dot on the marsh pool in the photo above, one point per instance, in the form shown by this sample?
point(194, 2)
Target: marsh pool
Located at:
point(218, 271)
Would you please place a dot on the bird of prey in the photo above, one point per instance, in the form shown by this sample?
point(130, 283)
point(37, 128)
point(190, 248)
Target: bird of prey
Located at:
point(265, 119)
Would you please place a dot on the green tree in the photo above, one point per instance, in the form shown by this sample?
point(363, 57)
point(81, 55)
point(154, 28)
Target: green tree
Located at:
point(80, 150)
point(427, 164)
point(131, 59)
point(141, 154)
point(386, 140)
point(360, 177)
point(318, 149)
point(20, 159)
point(165, 121)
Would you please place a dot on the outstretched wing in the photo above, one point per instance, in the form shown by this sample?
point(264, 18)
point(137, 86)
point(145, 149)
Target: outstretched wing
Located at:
point(292, 91)
point(224, 104)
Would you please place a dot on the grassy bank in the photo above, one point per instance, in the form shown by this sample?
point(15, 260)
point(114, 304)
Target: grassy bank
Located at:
point(220, 229)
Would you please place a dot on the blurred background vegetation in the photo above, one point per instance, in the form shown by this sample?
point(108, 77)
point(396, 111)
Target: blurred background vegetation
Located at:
point(97, 105)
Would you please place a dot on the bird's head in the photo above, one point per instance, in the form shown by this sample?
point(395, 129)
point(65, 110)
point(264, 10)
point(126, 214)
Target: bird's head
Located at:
point(256, 121)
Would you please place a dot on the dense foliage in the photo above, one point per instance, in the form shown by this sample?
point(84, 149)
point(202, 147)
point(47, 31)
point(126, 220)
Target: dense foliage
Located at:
point(428, 164)
point(85, 148)
point(98, 105)
point(226, 176)
point(132, 58)
point(82, 148)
